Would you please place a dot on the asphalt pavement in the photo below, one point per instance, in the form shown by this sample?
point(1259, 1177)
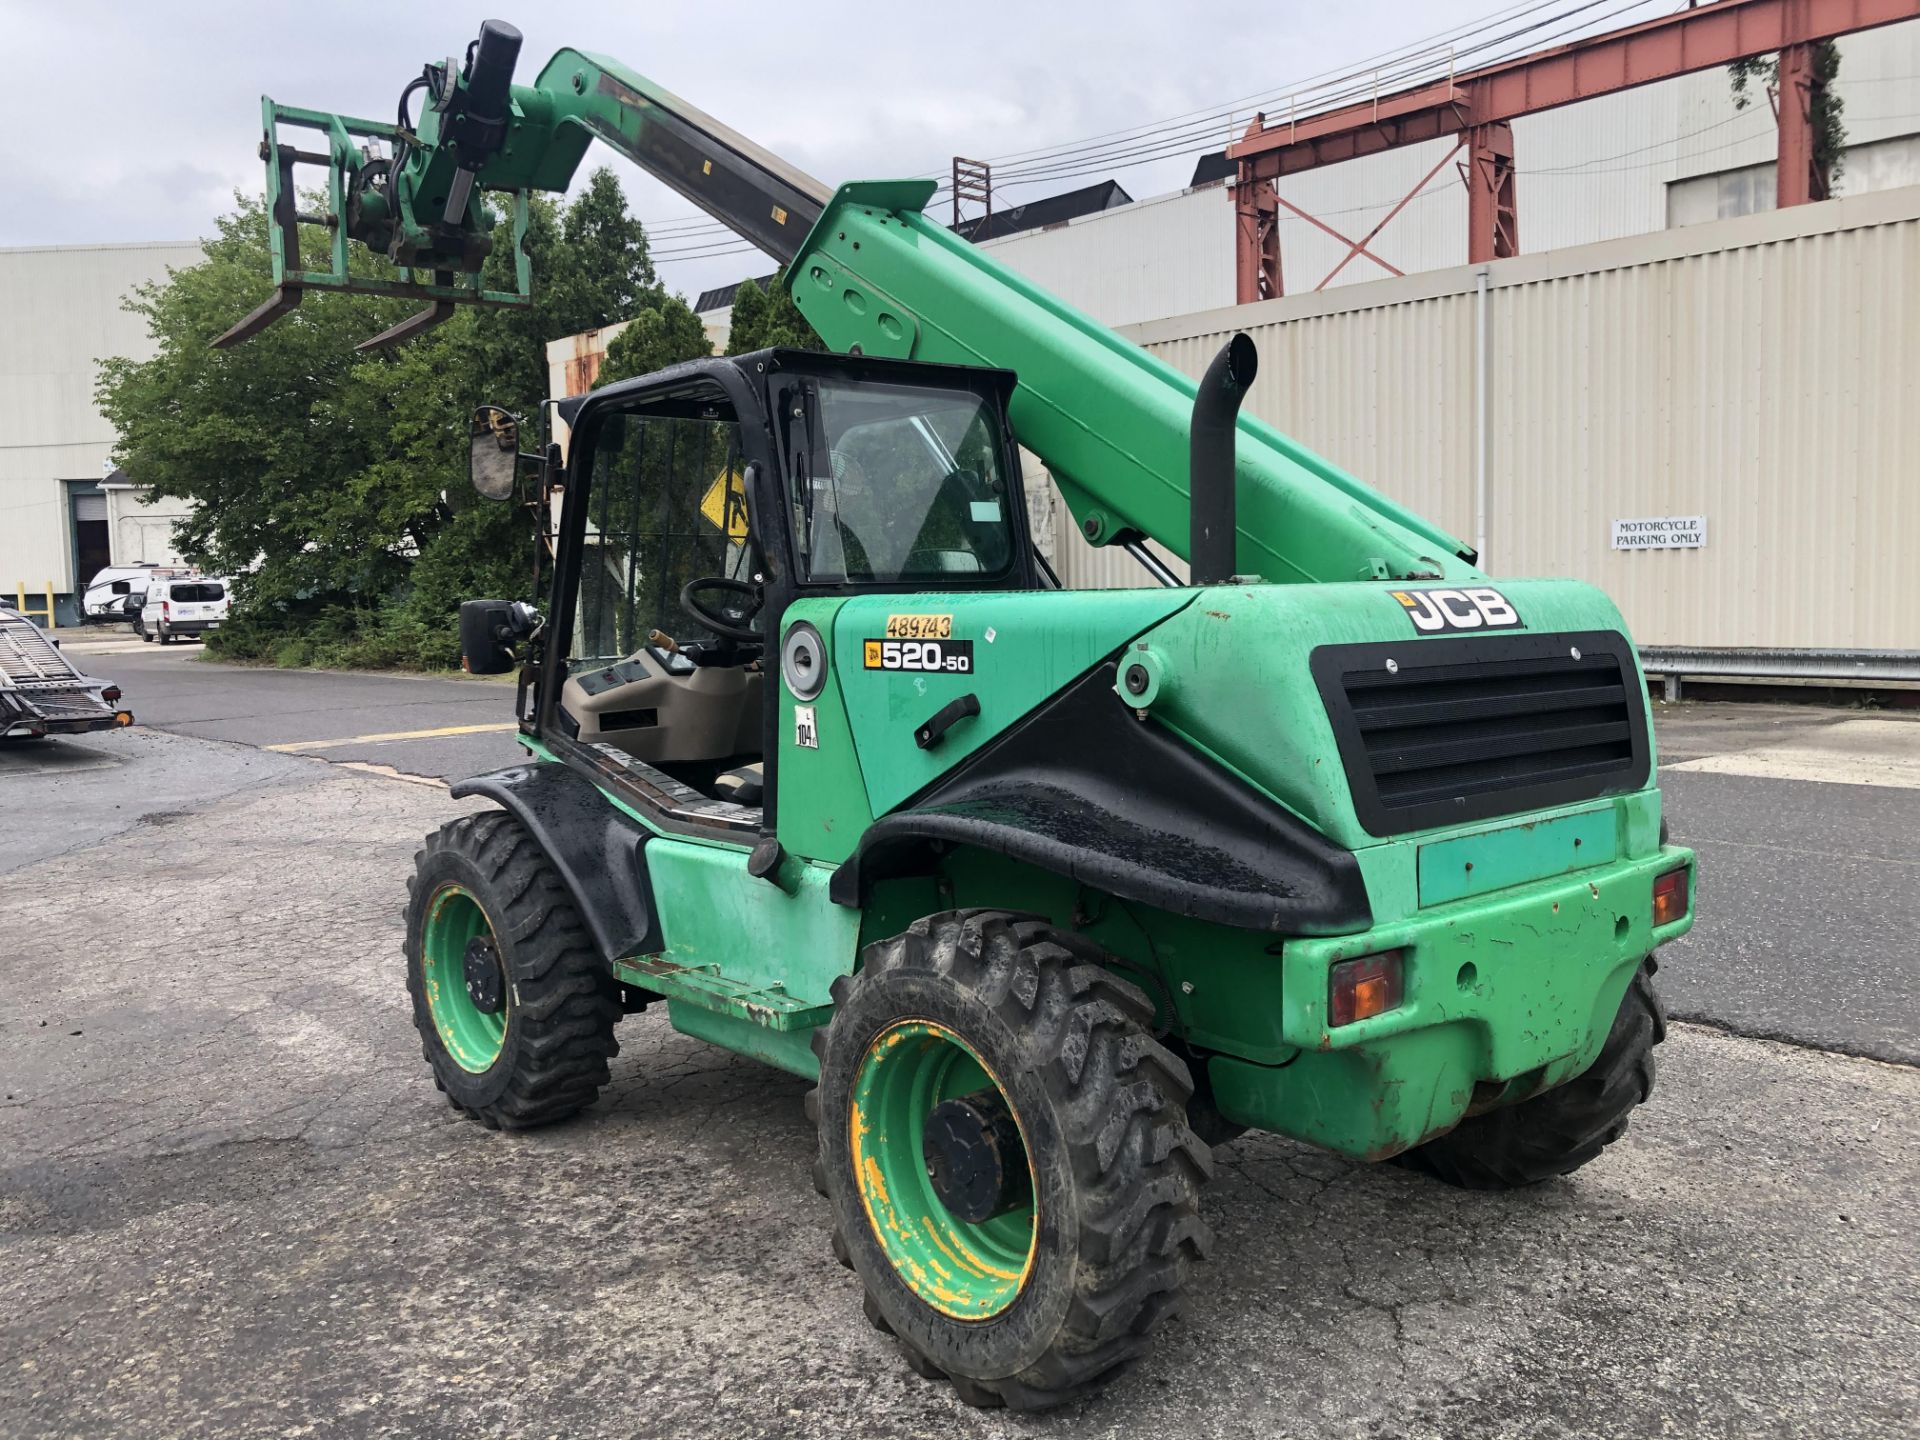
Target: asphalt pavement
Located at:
point(232, 1203)
point(1810, 888)
point(447, 726)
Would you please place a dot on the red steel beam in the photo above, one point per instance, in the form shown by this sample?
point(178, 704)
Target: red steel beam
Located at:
point(1697, 39)
point(1800, 180)
point(1354, 247)
point(1359, 247)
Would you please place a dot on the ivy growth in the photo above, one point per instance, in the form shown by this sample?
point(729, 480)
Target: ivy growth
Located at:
point(1825, 107)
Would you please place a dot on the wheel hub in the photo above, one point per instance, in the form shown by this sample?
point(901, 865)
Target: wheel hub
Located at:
point(486, 983)
point(976, 1160)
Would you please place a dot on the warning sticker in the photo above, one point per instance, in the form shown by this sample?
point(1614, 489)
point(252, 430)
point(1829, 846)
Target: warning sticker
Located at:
point(724, 506)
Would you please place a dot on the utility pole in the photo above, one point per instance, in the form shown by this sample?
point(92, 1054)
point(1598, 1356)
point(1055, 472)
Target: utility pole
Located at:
point(973, 180)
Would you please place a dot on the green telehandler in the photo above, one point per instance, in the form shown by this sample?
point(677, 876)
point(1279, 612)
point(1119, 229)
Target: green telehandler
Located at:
point(1047, 891)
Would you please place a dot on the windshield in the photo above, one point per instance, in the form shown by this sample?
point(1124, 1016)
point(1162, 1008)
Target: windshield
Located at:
point(900, 483)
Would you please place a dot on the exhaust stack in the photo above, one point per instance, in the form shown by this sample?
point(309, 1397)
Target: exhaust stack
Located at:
point(1210, 482)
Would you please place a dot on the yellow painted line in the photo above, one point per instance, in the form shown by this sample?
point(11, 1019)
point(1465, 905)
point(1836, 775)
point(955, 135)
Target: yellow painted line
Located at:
point(387, 772)
point(295, 746)
point(1882, 752)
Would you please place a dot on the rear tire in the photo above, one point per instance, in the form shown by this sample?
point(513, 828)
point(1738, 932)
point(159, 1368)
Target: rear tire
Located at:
point(1111, 1227)
point(1558, 1132)
point(541, 1053)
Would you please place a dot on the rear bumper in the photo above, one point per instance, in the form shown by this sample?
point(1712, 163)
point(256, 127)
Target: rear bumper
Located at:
point(1506, 995)
point(188, 627)
point(57, 711)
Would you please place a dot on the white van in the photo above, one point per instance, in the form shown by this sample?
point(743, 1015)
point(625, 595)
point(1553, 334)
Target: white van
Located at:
point(176, 607)
point(117, 592)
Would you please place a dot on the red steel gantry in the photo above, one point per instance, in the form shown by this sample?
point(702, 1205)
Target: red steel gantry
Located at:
point(1478, 108)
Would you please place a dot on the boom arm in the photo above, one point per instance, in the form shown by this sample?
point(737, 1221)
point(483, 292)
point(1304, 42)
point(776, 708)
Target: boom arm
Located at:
point(870, 271)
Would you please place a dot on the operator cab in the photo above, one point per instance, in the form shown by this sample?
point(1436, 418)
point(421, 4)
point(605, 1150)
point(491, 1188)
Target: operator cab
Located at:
point(703, 499)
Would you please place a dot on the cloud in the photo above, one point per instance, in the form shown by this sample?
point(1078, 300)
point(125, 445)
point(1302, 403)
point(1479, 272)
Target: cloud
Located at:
point(138, 122)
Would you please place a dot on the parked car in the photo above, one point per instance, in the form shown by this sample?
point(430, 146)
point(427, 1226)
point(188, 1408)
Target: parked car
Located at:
point(106, 596)
point(180, 607)
point(40, 691)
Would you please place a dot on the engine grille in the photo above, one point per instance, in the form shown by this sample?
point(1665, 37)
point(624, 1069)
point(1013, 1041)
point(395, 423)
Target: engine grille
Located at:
point(1463, 730)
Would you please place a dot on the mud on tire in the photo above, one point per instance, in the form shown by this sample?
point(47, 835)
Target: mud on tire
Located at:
point(1116, 1170)
point(1558, 1132)
point(561, 1000)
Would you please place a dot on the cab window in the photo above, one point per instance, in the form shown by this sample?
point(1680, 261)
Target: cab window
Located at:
point(667, 505)
point(899, 483)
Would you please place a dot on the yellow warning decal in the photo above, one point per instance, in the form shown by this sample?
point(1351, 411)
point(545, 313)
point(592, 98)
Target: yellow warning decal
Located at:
point(724, 506)
point(919, 627)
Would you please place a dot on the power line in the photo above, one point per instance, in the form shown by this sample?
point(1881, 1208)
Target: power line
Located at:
point(1130, 158)
point(1168, 136)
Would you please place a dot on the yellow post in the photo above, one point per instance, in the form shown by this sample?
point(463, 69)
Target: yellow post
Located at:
point(20, 601)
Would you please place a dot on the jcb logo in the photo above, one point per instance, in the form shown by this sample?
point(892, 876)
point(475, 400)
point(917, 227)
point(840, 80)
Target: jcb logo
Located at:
point(1483, 608)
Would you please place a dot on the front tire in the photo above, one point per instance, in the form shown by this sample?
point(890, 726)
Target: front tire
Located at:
point(514, 1005)
point(1558, 1132)
point(1097, 1226)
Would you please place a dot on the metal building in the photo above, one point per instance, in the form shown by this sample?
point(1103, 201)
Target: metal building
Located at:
point(1664, 155)
point(1715, 424)
point(60, 315)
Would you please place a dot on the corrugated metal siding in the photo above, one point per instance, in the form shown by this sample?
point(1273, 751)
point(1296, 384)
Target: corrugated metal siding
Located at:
point(1768, 387)
point(1759, 371)
point(60, 313)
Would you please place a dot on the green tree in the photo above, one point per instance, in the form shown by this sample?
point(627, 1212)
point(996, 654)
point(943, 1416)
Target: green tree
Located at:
point(765, 318)
point(1824, 104)
point(332, 484)
point(662, 335)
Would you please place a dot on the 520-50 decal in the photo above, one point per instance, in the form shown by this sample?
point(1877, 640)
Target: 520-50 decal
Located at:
point(940, 657)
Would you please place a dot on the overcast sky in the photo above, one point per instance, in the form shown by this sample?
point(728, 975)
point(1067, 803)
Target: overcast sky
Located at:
point(137, 121)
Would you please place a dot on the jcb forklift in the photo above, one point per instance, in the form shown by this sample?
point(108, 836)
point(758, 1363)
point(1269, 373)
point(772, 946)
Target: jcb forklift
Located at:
point(1048, 891)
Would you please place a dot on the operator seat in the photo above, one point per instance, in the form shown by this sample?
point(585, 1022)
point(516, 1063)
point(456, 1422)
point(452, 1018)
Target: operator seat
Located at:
point(659, 706)
point(744, 785)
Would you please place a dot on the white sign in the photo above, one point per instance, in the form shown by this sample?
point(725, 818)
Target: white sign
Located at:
point(806, 734)
point(1664, 532)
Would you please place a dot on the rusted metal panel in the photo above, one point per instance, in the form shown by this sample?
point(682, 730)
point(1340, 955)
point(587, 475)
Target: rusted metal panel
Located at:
point(574, 361)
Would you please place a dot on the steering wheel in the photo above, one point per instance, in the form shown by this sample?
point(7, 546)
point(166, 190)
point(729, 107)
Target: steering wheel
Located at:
point(730, 621)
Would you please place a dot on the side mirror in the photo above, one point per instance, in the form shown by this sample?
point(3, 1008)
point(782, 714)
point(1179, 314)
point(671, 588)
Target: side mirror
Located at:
point(493, 452)
point(488, 631)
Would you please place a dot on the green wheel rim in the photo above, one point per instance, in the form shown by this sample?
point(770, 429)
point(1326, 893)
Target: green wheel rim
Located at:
point(967, 1271)
point(472, 1037)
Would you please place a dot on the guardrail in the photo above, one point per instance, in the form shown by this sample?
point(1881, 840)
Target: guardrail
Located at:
point(1852, 667)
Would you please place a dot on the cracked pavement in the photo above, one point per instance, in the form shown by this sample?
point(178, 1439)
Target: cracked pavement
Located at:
point(232, 1203)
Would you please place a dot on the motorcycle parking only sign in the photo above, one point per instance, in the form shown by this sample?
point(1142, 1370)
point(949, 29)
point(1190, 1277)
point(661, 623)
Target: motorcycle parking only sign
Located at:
point(1662, 532)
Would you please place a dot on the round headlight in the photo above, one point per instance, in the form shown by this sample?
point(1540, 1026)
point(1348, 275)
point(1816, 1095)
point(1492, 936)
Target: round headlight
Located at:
point(803, 661)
